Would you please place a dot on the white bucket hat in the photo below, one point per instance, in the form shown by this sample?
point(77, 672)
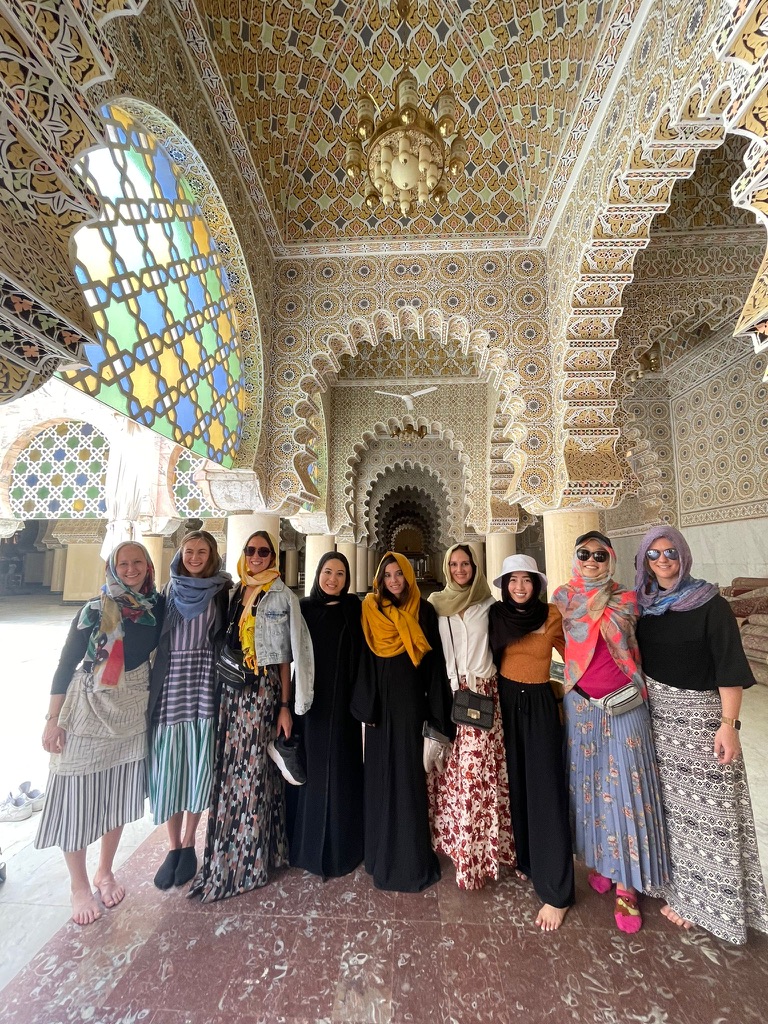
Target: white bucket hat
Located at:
point(519, 563)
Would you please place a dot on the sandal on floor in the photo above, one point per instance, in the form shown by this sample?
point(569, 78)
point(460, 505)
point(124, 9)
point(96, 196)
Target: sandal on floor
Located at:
point(627, 913)
point(599, 882)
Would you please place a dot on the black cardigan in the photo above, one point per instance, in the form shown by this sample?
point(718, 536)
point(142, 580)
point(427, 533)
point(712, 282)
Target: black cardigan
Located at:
point(696, 650)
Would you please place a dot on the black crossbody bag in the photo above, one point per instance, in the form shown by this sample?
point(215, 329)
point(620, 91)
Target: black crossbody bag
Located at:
point(470, 708)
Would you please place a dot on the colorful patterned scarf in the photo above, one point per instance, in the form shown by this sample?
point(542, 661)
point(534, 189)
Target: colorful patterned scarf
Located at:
point(104, 615)
point(687, 593)
point(253, 586)
point(593, 608)
point(392, 630)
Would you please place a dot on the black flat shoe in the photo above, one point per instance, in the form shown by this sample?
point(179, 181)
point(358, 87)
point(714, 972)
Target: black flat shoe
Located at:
point(186, 869)
point(165, 876)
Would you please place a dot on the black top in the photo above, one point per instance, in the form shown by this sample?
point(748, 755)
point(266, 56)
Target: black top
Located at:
point(138, 644)
point(696, 650)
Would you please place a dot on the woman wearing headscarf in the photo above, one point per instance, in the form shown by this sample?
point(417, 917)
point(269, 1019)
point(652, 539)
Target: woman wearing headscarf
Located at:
point(524, 630)
point(326, 831)
point(469, 799)
point(696, 672)
point(246, 821)
point(182, 710)
point(613, 782)
point(96, 727)
point(401, 685)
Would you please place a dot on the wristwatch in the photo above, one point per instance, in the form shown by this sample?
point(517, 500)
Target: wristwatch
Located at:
point(734, 722)
point(49, 717)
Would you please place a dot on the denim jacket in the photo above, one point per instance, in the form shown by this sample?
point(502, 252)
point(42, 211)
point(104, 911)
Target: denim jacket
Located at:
point(281, 634)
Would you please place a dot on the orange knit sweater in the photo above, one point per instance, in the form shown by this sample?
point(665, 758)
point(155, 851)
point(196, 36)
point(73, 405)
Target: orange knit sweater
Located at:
point(527, 660)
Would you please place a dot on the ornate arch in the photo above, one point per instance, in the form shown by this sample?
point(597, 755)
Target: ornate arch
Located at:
point(426, 492)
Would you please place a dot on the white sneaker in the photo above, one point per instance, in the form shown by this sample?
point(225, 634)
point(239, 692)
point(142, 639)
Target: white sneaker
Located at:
point(35, 796)
point(15, 808)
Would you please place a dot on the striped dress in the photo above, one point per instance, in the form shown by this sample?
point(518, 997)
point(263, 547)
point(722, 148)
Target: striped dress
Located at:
point(181, 755)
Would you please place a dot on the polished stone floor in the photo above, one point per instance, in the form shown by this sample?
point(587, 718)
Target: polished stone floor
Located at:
point(303, 952)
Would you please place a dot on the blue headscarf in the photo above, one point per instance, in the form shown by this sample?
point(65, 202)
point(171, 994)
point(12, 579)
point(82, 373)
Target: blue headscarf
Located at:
point(687, 593)
point(191, 595)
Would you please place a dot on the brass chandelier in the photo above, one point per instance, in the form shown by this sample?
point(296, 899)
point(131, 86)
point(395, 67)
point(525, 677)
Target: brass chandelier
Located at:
point(407, 158)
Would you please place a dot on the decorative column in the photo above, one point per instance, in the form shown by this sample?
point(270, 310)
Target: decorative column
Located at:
point(477, 547)
point(348, 548)
point(317, 545)
point(84, 571)
point(561, 528)
point(291, 568)
point(372, 564)
point(58, 569)
point(362, 579)
point(240, 526)
point(498, 546)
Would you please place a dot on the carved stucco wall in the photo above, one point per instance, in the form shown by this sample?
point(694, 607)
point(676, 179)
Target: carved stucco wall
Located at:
point(463, 406)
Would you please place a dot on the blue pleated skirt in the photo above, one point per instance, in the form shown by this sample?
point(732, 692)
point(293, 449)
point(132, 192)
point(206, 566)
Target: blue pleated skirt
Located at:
point(617, 814)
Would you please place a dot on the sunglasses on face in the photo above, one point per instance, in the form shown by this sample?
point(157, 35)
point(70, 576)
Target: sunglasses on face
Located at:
point(584, 555)
point(250, 551)
point(671, 553)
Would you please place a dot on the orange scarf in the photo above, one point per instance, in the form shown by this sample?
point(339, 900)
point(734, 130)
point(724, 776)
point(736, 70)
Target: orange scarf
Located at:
point(252, 587)
point(392, 630)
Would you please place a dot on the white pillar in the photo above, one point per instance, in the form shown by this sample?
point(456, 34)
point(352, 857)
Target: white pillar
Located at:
point(317, 545)
point(349, 550)
point(48, 568)
point(372, 565)
point(240, 526)
point(362, 582)
point(58, 572)
point(497, 547)
point(84, 574)
point(561, 529)
point(291, 567)
point(478, 552)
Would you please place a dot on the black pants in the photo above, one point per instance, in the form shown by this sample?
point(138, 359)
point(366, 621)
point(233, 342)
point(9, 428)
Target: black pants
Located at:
point(533, 741)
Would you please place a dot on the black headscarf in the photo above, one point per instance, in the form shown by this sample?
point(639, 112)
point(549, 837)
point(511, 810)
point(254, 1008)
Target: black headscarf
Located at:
point(508, 621)
point(317, 595)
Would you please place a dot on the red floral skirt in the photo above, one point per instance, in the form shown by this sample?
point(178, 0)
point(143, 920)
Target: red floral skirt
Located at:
point(469, 800)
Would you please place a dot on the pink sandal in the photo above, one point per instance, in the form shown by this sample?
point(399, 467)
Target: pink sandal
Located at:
point(599, 882)
point(627, 913)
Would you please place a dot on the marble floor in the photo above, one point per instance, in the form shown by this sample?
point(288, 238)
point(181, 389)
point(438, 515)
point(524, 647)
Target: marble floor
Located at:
point(301, 951)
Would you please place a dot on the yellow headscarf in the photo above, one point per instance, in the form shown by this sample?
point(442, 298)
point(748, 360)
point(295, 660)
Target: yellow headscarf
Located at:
point(252, 587)
point(392, 630)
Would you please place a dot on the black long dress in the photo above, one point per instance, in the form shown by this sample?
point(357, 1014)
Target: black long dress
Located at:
point(326, 820)
point(396, 698)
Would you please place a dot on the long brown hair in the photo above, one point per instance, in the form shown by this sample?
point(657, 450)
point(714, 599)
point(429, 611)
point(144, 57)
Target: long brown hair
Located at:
point(381, 590)
point(214, 559)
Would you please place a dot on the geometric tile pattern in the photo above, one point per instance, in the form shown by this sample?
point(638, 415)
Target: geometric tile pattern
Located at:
point(188, 498)
point(169, 356)
point(61, 474)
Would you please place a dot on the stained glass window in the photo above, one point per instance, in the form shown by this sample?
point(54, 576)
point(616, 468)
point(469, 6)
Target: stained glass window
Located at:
point(169, 353)
point(61, 473)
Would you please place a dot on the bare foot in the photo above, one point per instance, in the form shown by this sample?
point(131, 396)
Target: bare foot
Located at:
point(521, 875)
point(85, 909)
point(110, 890)
point(550, 918)
point(675, 918)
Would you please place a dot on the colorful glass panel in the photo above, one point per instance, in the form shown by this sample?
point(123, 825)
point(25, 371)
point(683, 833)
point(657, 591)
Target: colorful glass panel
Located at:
point(169, 353)
point(61, 474)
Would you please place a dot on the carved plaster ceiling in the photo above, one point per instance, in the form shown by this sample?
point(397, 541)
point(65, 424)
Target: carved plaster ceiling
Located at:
point(528, 78)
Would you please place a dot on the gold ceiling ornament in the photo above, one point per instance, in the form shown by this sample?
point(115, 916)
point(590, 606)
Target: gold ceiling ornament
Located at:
point(407, 158)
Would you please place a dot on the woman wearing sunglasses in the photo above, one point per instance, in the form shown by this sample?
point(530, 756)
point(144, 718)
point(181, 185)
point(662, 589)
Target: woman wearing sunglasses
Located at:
point(696, 672)
point(613, 781)
point(246, 821)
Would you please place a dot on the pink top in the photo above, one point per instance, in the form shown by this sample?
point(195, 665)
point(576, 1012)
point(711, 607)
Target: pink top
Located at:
point(602, 675)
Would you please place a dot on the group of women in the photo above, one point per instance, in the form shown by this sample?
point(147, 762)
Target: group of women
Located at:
point(634, 765)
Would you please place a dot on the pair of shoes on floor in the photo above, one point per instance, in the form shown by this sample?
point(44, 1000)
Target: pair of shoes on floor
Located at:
point(178, 868)
point(285, 753)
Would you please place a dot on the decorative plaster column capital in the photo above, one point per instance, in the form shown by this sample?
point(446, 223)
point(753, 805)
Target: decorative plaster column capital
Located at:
point(10, 526)
point(232, 490)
